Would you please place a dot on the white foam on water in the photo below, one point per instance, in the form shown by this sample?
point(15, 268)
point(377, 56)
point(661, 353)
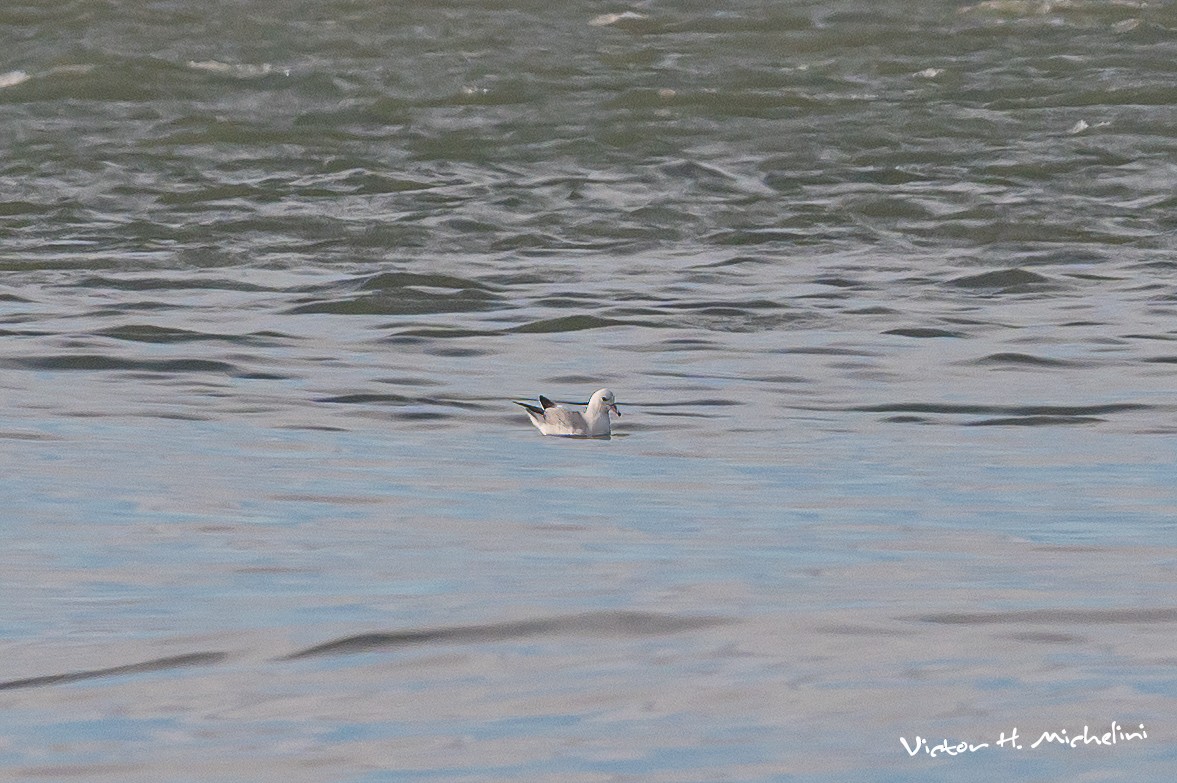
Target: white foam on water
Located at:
point(604, 20)
point(13, 78)
point(238, 70)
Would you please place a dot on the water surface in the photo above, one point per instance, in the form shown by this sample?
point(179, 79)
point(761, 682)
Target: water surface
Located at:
point(886, 295)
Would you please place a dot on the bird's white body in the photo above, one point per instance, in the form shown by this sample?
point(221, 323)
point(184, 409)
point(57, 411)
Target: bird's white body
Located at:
point(552, 419)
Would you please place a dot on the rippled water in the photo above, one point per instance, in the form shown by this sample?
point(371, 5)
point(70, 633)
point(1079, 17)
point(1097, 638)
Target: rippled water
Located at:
point(886, 294)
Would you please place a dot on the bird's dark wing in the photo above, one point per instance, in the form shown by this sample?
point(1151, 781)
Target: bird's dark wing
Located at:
point(531, 408)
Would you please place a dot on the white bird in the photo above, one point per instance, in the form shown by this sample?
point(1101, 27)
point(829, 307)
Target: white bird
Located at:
point(551, 419)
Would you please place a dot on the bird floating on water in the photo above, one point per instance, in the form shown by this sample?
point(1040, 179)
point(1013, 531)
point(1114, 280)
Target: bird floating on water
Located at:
point(551, 419)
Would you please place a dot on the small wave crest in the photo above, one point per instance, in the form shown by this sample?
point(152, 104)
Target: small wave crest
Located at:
point(237, 70)
point(606, 20)
point(13, 78)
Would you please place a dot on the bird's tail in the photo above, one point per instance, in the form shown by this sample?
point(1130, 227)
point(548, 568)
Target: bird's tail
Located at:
point(530, 408)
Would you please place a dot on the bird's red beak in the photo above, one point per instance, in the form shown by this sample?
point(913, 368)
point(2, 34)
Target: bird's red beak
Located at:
point(613, 408)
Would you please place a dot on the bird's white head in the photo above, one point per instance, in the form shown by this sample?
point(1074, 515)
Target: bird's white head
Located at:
point(603, 398)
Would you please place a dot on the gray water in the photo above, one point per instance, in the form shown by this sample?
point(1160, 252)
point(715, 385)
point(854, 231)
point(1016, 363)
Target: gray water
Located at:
point(886, 293)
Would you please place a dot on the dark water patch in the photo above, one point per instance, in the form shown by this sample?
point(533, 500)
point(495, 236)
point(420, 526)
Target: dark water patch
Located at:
point(786, 379)
point(515, 279)
point(238, 131)
point(144, 306)
point(838, 294)
point(710, 402)
point(761, 21)
point(240, 193)
point(398, 281)
point(368, 399)
point(148, 333)
point(1094, 278)
point(175, 416)
point(631, 426)
point(889, 208)
point(145, 333)
point(1002, 410)
point(652, 314)
point(29, 436)
point(907, 419)
point(1054, 616)
point(923, 332)
point(542, 245)
point(155, 665)
point(573, 379)
point(1035, 421)
point(1008, 281)
point(719, 311)
point(752, 237)
point(1011, 359)
point(1068, 256)
point(368, 183)
point(656, 298)
point(725, 320)
point(15, 208)
point(1160, 264)
point(717, 307)
point(24, 332)
point(7, 296)
point(860, 630)
point(596, 625)
point(403, 293)
point(455, 352)
point(312, 428)
point(688, 344)
point(420, 415)
point(99, 362)
point(839, 282)
point(408, 302)
point(752, 104)
point(460, 225)
point(1150, 95)
point(441, 333)
point(565, 300)
point(873, 310)
point(499, 92)
point(264, 376)
point(592, 624)
point(568, 323)
point(344, 122)
point(1167, 298)
point(1045, 637)
point(707, 179)
point(405, 380)
point(734, 261)
point(400, 400)
point(828, 351)
point(133, 80)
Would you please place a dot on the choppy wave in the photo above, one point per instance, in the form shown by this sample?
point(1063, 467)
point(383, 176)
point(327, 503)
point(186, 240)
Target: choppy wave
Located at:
point(13, 78)
point(238, 70)
point(596, 625)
